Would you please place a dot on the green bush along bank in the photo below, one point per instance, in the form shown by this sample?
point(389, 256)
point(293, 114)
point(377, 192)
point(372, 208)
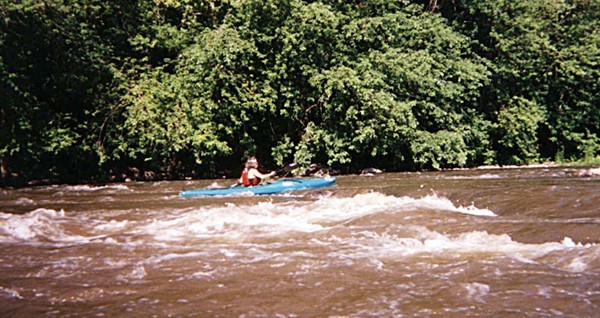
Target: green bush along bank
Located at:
point(105, 90)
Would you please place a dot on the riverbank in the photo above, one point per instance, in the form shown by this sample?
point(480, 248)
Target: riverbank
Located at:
point(588, 168)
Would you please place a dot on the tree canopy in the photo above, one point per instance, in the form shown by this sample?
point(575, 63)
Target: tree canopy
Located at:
point(189, 88)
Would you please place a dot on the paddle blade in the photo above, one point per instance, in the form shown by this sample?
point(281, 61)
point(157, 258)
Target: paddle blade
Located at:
point(285, 170)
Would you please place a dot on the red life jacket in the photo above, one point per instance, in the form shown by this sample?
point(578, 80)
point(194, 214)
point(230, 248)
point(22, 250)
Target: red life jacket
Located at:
point(246, 182)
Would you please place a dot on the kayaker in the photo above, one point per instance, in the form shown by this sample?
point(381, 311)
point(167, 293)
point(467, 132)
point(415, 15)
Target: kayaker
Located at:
point(250, 175)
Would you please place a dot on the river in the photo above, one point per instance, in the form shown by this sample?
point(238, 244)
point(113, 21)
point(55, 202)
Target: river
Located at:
point(479, 243)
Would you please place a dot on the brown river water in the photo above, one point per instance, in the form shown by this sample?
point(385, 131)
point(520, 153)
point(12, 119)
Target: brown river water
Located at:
point(473, 243)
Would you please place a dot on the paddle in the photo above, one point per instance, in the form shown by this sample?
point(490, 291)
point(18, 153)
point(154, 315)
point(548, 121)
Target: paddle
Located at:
point(285, 170)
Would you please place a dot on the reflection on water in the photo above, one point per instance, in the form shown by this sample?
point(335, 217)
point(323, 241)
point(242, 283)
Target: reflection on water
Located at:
point(515, 242)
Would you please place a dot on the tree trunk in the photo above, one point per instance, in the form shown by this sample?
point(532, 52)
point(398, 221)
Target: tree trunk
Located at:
point(432, 5)
point(3, 169)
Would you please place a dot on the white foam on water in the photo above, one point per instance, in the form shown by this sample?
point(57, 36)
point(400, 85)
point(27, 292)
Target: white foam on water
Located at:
point(38, 226)
point(434, 202)
point(576, 257)
point(270, 219)
point(477, 291)
point(85, 187)
point(24, 201)
point(393, 247)
point(578, 264)
point(112, 225)
point(326, 220)
point(486, 176)
point(215, 185)
point(137, 273)
point(235, 222)
point(29, 226)
point(567, 241)
point(10, 293)
point(167, 257)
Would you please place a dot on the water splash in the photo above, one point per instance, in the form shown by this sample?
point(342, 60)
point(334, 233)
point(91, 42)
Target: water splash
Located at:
point(45, 226)
point(326, 220)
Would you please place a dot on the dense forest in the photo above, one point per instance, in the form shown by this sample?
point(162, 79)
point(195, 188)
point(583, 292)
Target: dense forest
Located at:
point(155, 89)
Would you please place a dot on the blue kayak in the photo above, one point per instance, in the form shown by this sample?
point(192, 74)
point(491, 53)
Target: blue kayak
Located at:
point(279, 186)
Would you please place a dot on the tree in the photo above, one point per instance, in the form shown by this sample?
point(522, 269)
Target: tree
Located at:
point(545, 54)
point(53, 69)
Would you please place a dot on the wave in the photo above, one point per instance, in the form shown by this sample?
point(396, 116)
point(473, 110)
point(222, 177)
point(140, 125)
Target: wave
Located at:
point(41, 226)
point(486, 176)
point(270, 219)
point(424, 241)
point(85, 187)
point(366, 226)
point(264, 218)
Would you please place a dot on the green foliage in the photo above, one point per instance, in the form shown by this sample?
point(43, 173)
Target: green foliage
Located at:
point(545, 51)
point(176, 128)
point(439, 149)
point(190, 88)
point(517, 127)
point(53, 72)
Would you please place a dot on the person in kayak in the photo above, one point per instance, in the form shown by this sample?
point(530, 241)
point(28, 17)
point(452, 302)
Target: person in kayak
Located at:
point(250, 175)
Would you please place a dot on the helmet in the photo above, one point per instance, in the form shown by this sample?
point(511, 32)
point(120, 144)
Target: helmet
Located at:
point(252, 162)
